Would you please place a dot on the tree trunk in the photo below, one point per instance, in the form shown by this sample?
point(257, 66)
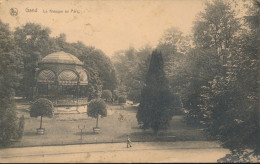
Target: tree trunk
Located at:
point(97, 122)
point(41, 123)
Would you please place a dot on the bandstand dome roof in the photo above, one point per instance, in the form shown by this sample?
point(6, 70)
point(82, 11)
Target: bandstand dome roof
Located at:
point(63, 68)
point(61, 58)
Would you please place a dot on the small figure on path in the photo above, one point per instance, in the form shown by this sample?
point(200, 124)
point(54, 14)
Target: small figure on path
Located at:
point(128, 141)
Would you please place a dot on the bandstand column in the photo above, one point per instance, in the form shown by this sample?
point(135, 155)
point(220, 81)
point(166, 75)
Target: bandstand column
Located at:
point(47, 90)
point(56, 95)
point(77, 93)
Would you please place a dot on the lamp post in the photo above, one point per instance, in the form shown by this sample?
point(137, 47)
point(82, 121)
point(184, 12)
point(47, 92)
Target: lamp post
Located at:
point(81, 128)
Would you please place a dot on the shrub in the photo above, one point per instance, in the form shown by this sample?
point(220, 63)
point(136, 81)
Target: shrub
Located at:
point(107, 95)
point(121, 99)
point(115, 95)
point(8, 125)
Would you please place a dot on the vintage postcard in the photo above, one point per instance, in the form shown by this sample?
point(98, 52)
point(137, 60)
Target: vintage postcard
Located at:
point(129, 81)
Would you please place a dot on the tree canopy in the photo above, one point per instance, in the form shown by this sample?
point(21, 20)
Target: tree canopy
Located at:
point(107, 95)
point(97, 107)
point(9, 122)
point(131, 67)
point(41, 107)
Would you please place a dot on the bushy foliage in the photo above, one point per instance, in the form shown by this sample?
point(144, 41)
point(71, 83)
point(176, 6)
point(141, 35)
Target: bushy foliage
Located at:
point(131, 66)
point(135, 93)
point(94, 88)
point(97, 107)
point(107, 95)
point(204, 66)
point(240, 157)
point(35, 42)
point(41, 107)
point(121, 100)
point(223, 95)
point(10, 126)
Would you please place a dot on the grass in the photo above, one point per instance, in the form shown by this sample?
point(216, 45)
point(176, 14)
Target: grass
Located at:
point(120, 122)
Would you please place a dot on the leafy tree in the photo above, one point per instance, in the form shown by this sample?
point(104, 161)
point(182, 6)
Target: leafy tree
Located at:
point(41, 107)
point(9, 122)
point(216, 27)
point(172, 41)
point(226, 101)
point(154, 110)
point(107, 95)
point(134, 93)
point(94, 90)
point(97, 107)
point(34, 42)
point(203, 67)
point(60, 42)
point(241, 82)
point(175, 47)
point(125, 64)
point(98, 60)
point(215, 31)
point(131, 66)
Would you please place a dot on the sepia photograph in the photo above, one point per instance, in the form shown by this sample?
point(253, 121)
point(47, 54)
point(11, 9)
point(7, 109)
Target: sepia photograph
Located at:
point(129, 81)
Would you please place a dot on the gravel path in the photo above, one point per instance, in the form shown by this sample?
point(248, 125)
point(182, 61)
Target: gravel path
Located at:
point(189, 151)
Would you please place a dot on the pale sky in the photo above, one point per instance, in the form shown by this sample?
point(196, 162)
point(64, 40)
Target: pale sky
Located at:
point(109, 25)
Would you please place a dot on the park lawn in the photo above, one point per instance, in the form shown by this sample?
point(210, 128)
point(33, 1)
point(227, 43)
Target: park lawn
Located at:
point(63, 128)
point(120, 122)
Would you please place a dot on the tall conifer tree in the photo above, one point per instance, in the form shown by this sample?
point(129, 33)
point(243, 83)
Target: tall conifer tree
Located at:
point(154, 110)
